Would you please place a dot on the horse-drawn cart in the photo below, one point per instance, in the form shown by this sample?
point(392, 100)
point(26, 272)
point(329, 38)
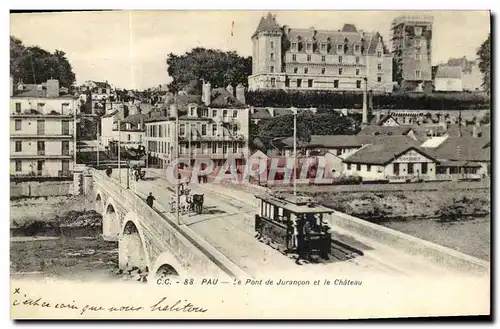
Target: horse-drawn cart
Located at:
point(187, 202)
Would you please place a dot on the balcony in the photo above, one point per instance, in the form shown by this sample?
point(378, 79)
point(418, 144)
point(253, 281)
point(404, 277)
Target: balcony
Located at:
point(45, 113)
point(41, 152)
point(41, 156)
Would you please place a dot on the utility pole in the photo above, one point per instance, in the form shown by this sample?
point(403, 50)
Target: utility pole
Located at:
point(189, 145)
point(119, 149)
point(294, 110)
point(98, 144)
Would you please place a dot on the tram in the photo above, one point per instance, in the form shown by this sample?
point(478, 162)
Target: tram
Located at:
point(293, 225)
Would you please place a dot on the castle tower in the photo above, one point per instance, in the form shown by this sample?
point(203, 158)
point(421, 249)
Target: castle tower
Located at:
point(412, 50)
point(266, 55)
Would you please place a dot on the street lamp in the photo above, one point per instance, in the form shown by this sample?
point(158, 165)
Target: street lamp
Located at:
point(128, 174)
point(294, 111)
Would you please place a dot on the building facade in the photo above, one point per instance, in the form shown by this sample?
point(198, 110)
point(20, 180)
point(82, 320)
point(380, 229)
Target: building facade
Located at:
point(216, 128)
point(412, 51)
point(448, 78)
point(42, 130)
point(310, 59)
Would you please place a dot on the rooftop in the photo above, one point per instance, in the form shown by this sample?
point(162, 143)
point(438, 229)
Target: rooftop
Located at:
point(462, 149)
point(385, 130)
point(448, 72)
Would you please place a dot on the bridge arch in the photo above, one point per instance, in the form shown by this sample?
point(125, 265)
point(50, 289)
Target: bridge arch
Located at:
point(99, 203)
point(110, 221)
point(166, 265)
point(131, 248)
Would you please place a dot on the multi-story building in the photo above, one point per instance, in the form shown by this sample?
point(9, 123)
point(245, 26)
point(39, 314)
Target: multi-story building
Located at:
point(215, 127)
point(42, 130)
point(472, 78)
point(412, 51)
point(310, 59)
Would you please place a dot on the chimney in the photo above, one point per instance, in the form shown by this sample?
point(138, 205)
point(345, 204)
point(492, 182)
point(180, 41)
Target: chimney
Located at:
point(230, 89)
point(11, 86)
point(240, 93)
point(207, 93)
point(52, 88)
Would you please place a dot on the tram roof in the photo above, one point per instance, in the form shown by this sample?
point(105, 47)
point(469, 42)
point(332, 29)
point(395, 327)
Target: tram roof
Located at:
point(297, 206)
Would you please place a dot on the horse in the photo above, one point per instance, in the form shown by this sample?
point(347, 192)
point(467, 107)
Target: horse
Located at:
point(183, 203)
point(197, 203)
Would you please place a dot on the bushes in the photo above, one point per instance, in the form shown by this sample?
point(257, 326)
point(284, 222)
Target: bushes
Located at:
point(460, 209)
point(354, 100)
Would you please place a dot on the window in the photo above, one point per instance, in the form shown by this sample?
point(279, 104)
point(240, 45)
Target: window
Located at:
point(214, 113)
point(272, 56)
point(272, 45)
point(395, 169)
point(358, 167)
point(340, 71)
point(418, 31)
point(309, 47)
point(235, 114)
point(224, 114)
point(339, 48)
point(368, 167)
point(19, 146)
point(323, 70)
point(379, 79)
point(295, 70)
point(41, 147)
point(273, 82)
point(310, 83)
point(418, 56)
point(299, 83)
point(65, 147)
point(39, 165)
point(323, 58)
point(294, 46)
point(340, 59)
point(18, 124)
point(182, 129)
point(410, 168)
point(335, 83)
point(379, 66)
point(294, 58)
point(204, 129)
point(424, 168)
point(287, 82)
point(192, 111)
point(213, 146)
point(128, 137)
point(18, 107)
point(379, 54)
point(308, 58)
point(357, 71)
point(19, 165)
point(65, 127)
point(357, 60)
point(39, 107)
point(358, 84)
point(348, 166)
point(356, 49)
point(417, 74)
point(306, 70)
point(323, 46)
point(214, 130)
point(271, 69)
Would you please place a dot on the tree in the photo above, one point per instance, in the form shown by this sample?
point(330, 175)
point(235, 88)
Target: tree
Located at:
point(215, 66)
point(36, 65)
point(484, 54)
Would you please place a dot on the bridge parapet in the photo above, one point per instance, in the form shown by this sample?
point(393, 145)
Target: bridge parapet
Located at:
point(196, 256)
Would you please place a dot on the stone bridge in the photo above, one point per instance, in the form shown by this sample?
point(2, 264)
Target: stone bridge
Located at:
point(150, 239)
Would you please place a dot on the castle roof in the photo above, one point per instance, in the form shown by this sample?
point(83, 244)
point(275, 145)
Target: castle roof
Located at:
point(267, 24)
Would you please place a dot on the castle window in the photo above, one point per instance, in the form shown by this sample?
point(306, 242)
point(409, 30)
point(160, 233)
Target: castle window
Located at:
point(272, 45)
point(294, 58)
point(273, 82)
point(299, 83)
point(335, 83)
point(379, 79)
point(340, 71)
point(287, 82)
point(271, 69)
point(379, 54)
point(418, 31)
point(358, 84)
point(356, 48)
point(295, 70)
point(379, 66)
point(357, 71)
point(310, 83)
point(309, 47)
point(308, 58)
point(323, 70)
point(306, 70)
point(272, 56)
point(323, 46)
point(340, 59)
point(357, 60)
point(339, 48)
point(294, 46)
point(323, 58)
point(417, 74)
point(418, 56)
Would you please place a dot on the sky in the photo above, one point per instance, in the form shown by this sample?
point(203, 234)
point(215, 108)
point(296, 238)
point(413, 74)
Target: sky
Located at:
point(129, 48)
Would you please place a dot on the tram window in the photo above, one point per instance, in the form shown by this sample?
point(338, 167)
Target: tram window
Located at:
point(261, 208)
point(271, 211)
point(280, 212)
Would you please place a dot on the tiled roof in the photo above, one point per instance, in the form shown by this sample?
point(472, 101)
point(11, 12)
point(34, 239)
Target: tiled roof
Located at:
point(135, 118)
point(467, 131)
point(267, 24)
point(462, 149)
point(385, 130)
point(448, 72)
point(221, 98)
point(383, 153)
point(31, 90)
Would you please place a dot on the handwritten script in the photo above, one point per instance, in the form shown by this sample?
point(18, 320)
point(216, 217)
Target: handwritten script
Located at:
point(21, 299)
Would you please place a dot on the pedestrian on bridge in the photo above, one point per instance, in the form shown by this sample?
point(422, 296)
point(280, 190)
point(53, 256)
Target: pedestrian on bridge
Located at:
point(150, 199)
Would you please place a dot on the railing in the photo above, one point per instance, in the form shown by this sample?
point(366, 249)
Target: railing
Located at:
point(65, 173)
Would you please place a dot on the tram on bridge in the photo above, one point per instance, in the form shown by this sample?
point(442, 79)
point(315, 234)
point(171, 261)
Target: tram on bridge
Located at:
point(294, 225)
